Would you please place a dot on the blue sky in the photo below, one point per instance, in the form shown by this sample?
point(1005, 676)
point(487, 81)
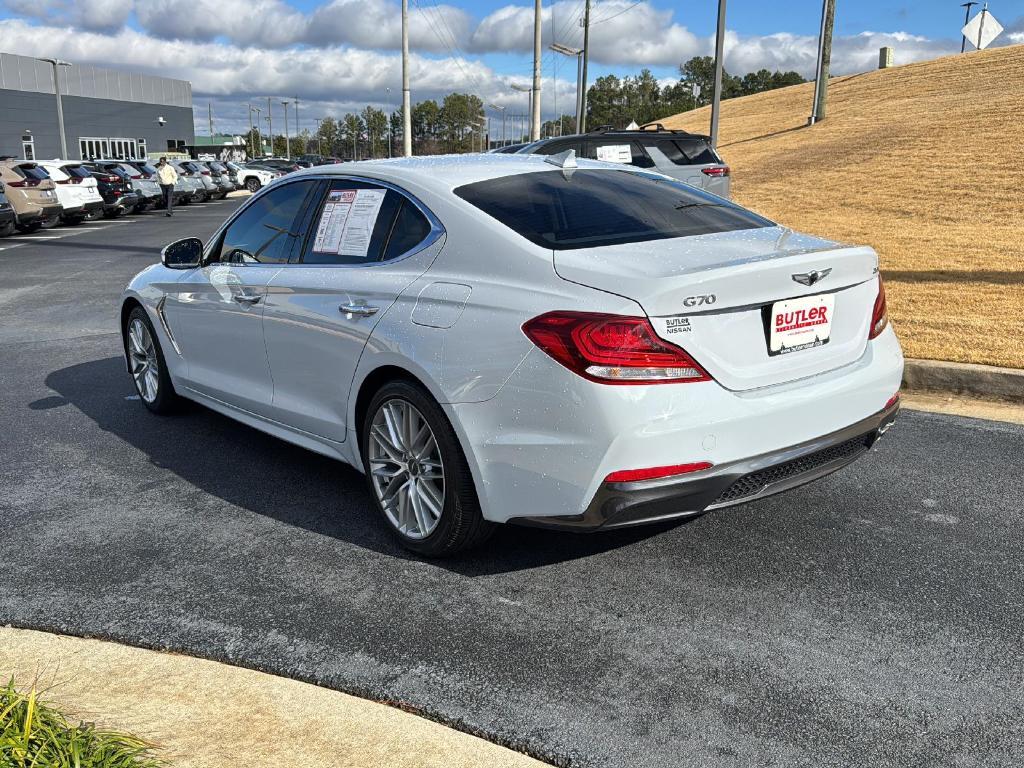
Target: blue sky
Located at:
point(338, 55)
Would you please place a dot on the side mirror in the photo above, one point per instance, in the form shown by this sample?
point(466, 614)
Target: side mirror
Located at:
point(182, 254)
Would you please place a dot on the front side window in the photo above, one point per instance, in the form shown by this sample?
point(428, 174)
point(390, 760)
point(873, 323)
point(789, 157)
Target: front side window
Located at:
point(357, 222)
point(264, 233)
point(589, 208)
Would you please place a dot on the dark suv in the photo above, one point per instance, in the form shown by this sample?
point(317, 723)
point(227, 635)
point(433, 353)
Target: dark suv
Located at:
point(685, 156)
point(115, 188)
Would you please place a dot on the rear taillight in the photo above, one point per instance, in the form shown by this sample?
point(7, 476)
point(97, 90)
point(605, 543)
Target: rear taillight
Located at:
point(654, 473)
point(205, 173)
point(112, 179)
point(62, 181)
point(612, 349)
point(137, 176)
point(880, 314)
point(892, 401)
point(721, 170)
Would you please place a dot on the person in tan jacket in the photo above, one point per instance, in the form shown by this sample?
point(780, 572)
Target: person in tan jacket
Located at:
point(167, 177)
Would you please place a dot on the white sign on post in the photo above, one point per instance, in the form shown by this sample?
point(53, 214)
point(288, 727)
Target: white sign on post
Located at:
point(982, 29)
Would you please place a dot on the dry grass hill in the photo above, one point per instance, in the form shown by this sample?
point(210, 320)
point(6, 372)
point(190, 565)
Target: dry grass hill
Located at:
point(924, 162)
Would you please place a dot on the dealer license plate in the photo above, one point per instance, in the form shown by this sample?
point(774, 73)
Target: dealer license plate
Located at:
point(802, 323)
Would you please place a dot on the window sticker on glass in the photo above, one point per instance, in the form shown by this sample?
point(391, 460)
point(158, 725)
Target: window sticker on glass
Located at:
point(347, 221)
point(615, 153)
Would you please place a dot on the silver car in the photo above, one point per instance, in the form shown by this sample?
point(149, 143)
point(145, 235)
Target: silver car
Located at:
point(688, 157)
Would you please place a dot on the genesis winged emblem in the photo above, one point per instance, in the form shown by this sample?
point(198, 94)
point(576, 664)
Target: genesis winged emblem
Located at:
point(812, 277)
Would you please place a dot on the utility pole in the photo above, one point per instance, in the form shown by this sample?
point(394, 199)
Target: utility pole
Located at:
point(967, 18)
point(250, 126)
point(319, 150)
point(258, 138)
point(209, 116)
point(565, 50)
point(270, 125)
point(57, 64)
point(287, 144)
point(502, 111)
point(303, 150)
point(581, 119)
point(828, 16)
point(406, 98)
point(716, 103)
point(535, 96)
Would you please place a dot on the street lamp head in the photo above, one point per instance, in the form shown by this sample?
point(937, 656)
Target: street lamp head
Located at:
point(565, 50)
point(520, 88)
point(497, 107)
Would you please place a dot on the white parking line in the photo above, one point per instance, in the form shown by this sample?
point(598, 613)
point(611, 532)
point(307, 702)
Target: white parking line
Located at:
point(37, 237)
point(9, 247)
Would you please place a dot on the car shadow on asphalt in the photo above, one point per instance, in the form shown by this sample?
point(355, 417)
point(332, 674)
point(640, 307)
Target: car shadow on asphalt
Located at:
point(269, 477)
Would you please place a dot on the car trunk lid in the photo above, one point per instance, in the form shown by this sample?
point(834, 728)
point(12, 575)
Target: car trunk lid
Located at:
point(717, 296)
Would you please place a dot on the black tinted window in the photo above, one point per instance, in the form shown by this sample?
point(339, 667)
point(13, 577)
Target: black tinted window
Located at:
point(352, 224)
point(264, 232)
point(695, 151)
point(79, 171)
point(32, 172)
point(593, 208)
point(554, 147)
point(411, 228)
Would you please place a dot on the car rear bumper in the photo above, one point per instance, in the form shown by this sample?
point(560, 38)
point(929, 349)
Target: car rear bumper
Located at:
point(47, 212)
point(619, 505)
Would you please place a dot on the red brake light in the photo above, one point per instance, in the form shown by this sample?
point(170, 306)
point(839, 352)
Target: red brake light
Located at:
point(892, 401)
point(62, 181)
point(612, 349)
point(137, 176)
point(880, 314)
point(112, 179)
point(205, 173)
point(721, 170)
point(652, 473)
point(16, 183)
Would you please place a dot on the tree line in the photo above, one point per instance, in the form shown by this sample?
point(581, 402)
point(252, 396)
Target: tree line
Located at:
point(457, 123)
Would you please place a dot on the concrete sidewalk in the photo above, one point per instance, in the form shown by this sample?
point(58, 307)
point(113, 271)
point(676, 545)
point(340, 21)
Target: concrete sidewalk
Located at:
point(210, 715)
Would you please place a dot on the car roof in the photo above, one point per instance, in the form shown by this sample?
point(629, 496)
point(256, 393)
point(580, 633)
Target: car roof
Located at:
point(647, 133)
point(443, 173)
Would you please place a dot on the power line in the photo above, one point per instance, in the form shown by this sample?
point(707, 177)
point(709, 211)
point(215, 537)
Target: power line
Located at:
point(614, 15)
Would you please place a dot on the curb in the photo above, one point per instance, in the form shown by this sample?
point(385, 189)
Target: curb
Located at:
point(983, 381)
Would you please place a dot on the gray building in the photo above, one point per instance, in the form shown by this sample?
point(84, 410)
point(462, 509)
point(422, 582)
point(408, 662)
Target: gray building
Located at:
point(107, 113)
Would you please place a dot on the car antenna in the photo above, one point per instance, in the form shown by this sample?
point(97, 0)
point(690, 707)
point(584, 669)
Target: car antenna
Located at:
point(564, 160)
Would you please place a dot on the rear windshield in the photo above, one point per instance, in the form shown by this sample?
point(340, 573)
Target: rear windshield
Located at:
point(216, 167)
point(690, 151)
point(78, 171)
point(593, 208)
point(32, 172)
point(146, 168)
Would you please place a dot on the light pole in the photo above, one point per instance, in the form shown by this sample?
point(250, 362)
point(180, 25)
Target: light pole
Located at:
point(287, 144)
point(319, 149)
point(524, 89)
point(581, 122)
point(270, 125)
point(303, 149)
point(967, 18)
point(535, 93)
point(565, 50)
point(716, 104)
point(57, 63)
point(502, 110)
point(391, 137)
point(258, 141)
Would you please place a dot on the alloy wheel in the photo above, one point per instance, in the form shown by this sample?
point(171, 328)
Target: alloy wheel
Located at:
point(407, 473)
point(143, 360)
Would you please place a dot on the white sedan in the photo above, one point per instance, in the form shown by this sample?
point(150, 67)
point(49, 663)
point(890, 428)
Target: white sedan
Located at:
point(509, 338)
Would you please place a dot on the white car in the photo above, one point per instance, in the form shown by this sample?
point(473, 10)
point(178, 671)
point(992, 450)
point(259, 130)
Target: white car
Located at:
point(253, 179)
point(77, 190)
point(507, 338)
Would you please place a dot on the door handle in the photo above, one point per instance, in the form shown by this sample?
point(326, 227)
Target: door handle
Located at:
point(363, 310)
point(243, 298)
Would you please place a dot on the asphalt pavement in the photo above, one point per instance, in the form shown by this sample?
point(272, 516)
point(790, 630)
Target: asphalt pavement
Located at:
point(872, 618)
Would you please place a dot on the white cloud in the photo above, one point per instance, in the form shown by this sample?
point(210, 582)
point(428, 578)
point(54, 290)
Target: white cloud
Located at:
point(378, 24)
point(270, 23)
point(99, 15)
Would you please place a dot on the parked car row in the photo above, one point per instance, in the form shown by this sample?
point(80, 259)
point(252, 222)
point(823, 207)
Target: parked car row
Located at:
point(45, 193)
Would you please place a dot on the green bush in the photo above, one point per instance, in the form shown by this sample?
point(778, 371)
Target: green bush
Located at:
point(34, 735)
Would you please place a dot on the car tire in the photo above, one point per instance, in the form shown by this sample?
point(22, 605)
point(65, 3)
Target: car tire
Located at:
point(27, 229)
point(93, 215)
point(253, 185)
point(436, 456)
point(7, 229)
point(113, 213)
point(139, 208)
point(144, 354)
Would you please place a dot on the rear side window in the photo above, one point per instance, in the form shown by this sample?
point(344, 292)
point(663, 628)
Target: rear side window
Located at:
point(356, 222)
point(692, 151)
point(590, 208)
point(618, 151)
point(554, 147)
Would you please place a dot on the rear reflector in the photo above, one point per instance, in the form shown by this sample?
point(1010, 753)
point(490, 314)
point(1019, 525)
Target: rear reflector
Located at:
point(612, 349)
point(892, 401)
point(722, 170)
point(880, 313)
point(653, 473)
